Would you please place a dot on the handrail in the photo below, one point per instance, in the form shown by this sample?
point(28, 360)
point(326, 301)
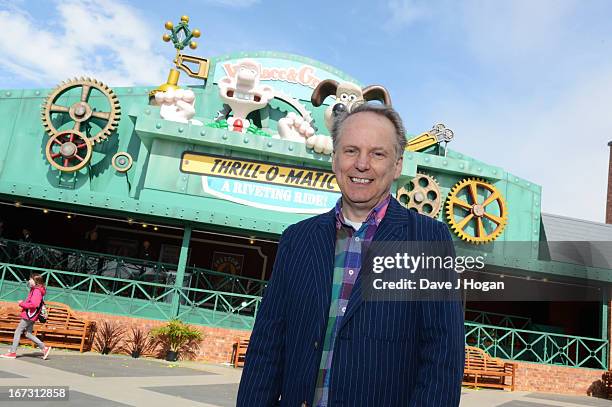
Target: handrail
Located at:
point(86, 262)
point(44, 249)
point(149, 299)
point(507, 320)
point(90, 292)
point(540, 347)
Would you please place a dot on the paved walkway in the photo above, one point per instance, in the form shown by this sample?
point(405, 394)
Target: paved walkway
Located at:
point(500, 398)
point(112, 381)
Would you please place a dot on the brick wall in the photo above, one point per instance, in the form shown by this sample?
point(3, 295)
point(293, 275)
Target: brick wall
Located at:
point(556, 379)
point(216, 346)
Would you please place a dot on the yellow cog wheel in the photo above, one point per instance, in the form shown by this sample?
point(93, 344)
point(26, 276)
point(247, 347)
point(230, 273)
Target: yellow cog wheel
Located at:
point(476, 211)
point(73, 99)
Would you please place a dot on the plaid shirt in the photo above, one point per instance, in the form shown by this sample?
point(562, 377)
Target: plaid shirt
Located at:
point(346, 269)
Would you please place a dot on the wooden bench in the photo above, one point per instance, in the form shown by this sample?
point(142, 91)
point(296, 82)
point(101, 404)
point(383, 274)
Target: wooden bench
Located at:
point(63, 328)
point(485, 371)
point(240, 349)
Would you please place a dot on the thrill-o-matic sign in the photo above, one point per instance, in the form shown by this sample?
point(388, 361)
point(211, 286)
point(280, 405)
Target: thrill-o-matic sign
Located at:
point(264, 185)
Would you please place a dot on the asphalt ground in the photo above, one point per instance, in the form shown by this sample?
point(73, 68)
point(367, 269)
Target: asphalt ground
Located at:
point(115, 380)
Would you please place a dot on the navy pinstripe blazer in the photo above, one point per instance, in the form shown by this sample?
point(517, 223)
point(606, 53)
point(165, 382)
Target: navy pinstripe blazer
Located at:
point(386, 353)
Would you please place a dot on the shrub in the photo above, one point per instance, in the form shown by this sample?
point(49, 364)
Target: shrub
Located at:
point(178, 338)
point(108, 337)
point(139, 343)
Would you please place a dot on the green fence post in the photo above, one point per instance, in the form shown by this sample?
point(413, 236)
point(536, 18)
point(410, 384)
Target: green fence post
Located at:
point(605, 328)
point(180, 271)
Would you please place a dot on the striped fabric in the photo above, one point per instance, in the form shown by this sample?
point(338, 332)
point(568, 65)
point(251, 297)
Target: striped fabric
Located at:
point(346, 269)
point(388, 354)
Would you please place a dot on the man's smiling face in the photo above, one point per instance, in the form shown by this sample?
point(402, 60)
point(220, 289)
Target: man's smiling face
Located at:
point(365, 162)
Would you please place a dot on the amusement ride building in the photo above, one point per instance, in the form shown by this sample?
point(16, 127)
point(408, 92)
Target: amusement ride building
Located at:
point(162, 202)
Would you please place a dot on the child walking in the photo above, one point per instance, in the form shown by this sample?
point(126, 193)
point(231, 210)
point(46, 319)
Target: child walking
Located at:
point(31, 308)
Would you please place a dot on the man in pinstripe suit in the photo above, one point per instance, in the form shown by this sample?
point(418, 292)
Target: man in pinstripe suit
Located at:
point(316, 342)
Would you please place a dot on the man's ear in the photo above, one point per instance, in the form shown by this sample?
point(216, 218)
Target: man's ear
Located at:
point(333, 156)
point(398, 169)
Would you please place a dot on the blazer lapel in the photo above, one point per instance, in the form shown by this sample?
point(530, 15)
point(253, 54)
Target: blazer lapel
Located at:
point(324, 240)
point(393, 227)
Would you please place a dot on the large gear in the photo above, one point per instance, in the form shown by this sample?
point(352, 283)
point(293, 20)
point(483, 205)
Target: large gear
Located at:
point(422, 194)
point(476, 211)
point(81, 112)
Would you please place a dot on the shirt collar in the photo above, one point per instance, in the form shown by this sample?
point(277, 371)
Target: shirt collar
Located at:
point(375, 216)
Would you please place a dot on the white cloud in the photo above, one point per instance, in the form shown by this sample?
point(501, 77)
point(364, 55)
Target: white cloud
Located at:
point(105, 39)
point(545, 90)
point(405, 12)
point(559, 143)
point(554, 130)
point(568, 147)
point(502, 31)
point(493, 31)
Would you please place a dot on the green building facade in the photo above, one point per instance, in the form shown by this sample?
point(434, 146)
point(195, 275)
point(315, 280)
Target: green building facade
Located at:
point(87, 173)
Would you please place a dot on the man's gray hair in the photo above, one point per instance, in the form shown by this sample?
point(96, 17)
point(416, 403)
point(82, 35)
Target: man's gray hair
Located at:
point(381, 110)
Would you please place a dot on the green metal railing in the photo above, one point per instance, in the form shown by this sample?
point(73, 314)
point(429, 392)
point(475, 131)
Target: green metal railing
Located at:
point(80, 261)
point(214, 280)
point(539, 347)
point(95, 293)
point(494, 318)
point(92, 263)
point(143, 299)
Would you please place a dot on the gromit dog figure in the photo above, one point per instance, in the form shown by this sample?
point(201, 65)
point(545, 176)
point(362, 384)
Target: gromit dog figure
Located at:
point(348, 96)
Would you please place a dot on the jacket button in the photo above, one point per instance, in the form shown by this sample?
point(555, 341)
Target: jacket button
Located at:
point(316, 345)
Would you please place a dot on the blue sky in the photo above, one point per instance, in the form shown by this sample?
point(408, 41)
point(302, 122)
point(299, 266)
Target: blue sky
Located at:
point(526, 85)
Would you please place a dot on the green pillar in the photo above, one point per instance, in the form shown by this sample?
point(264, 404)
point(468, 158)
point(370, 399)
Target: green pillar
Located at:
point(180, 270)
point(605, 334)
point(604, 320)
